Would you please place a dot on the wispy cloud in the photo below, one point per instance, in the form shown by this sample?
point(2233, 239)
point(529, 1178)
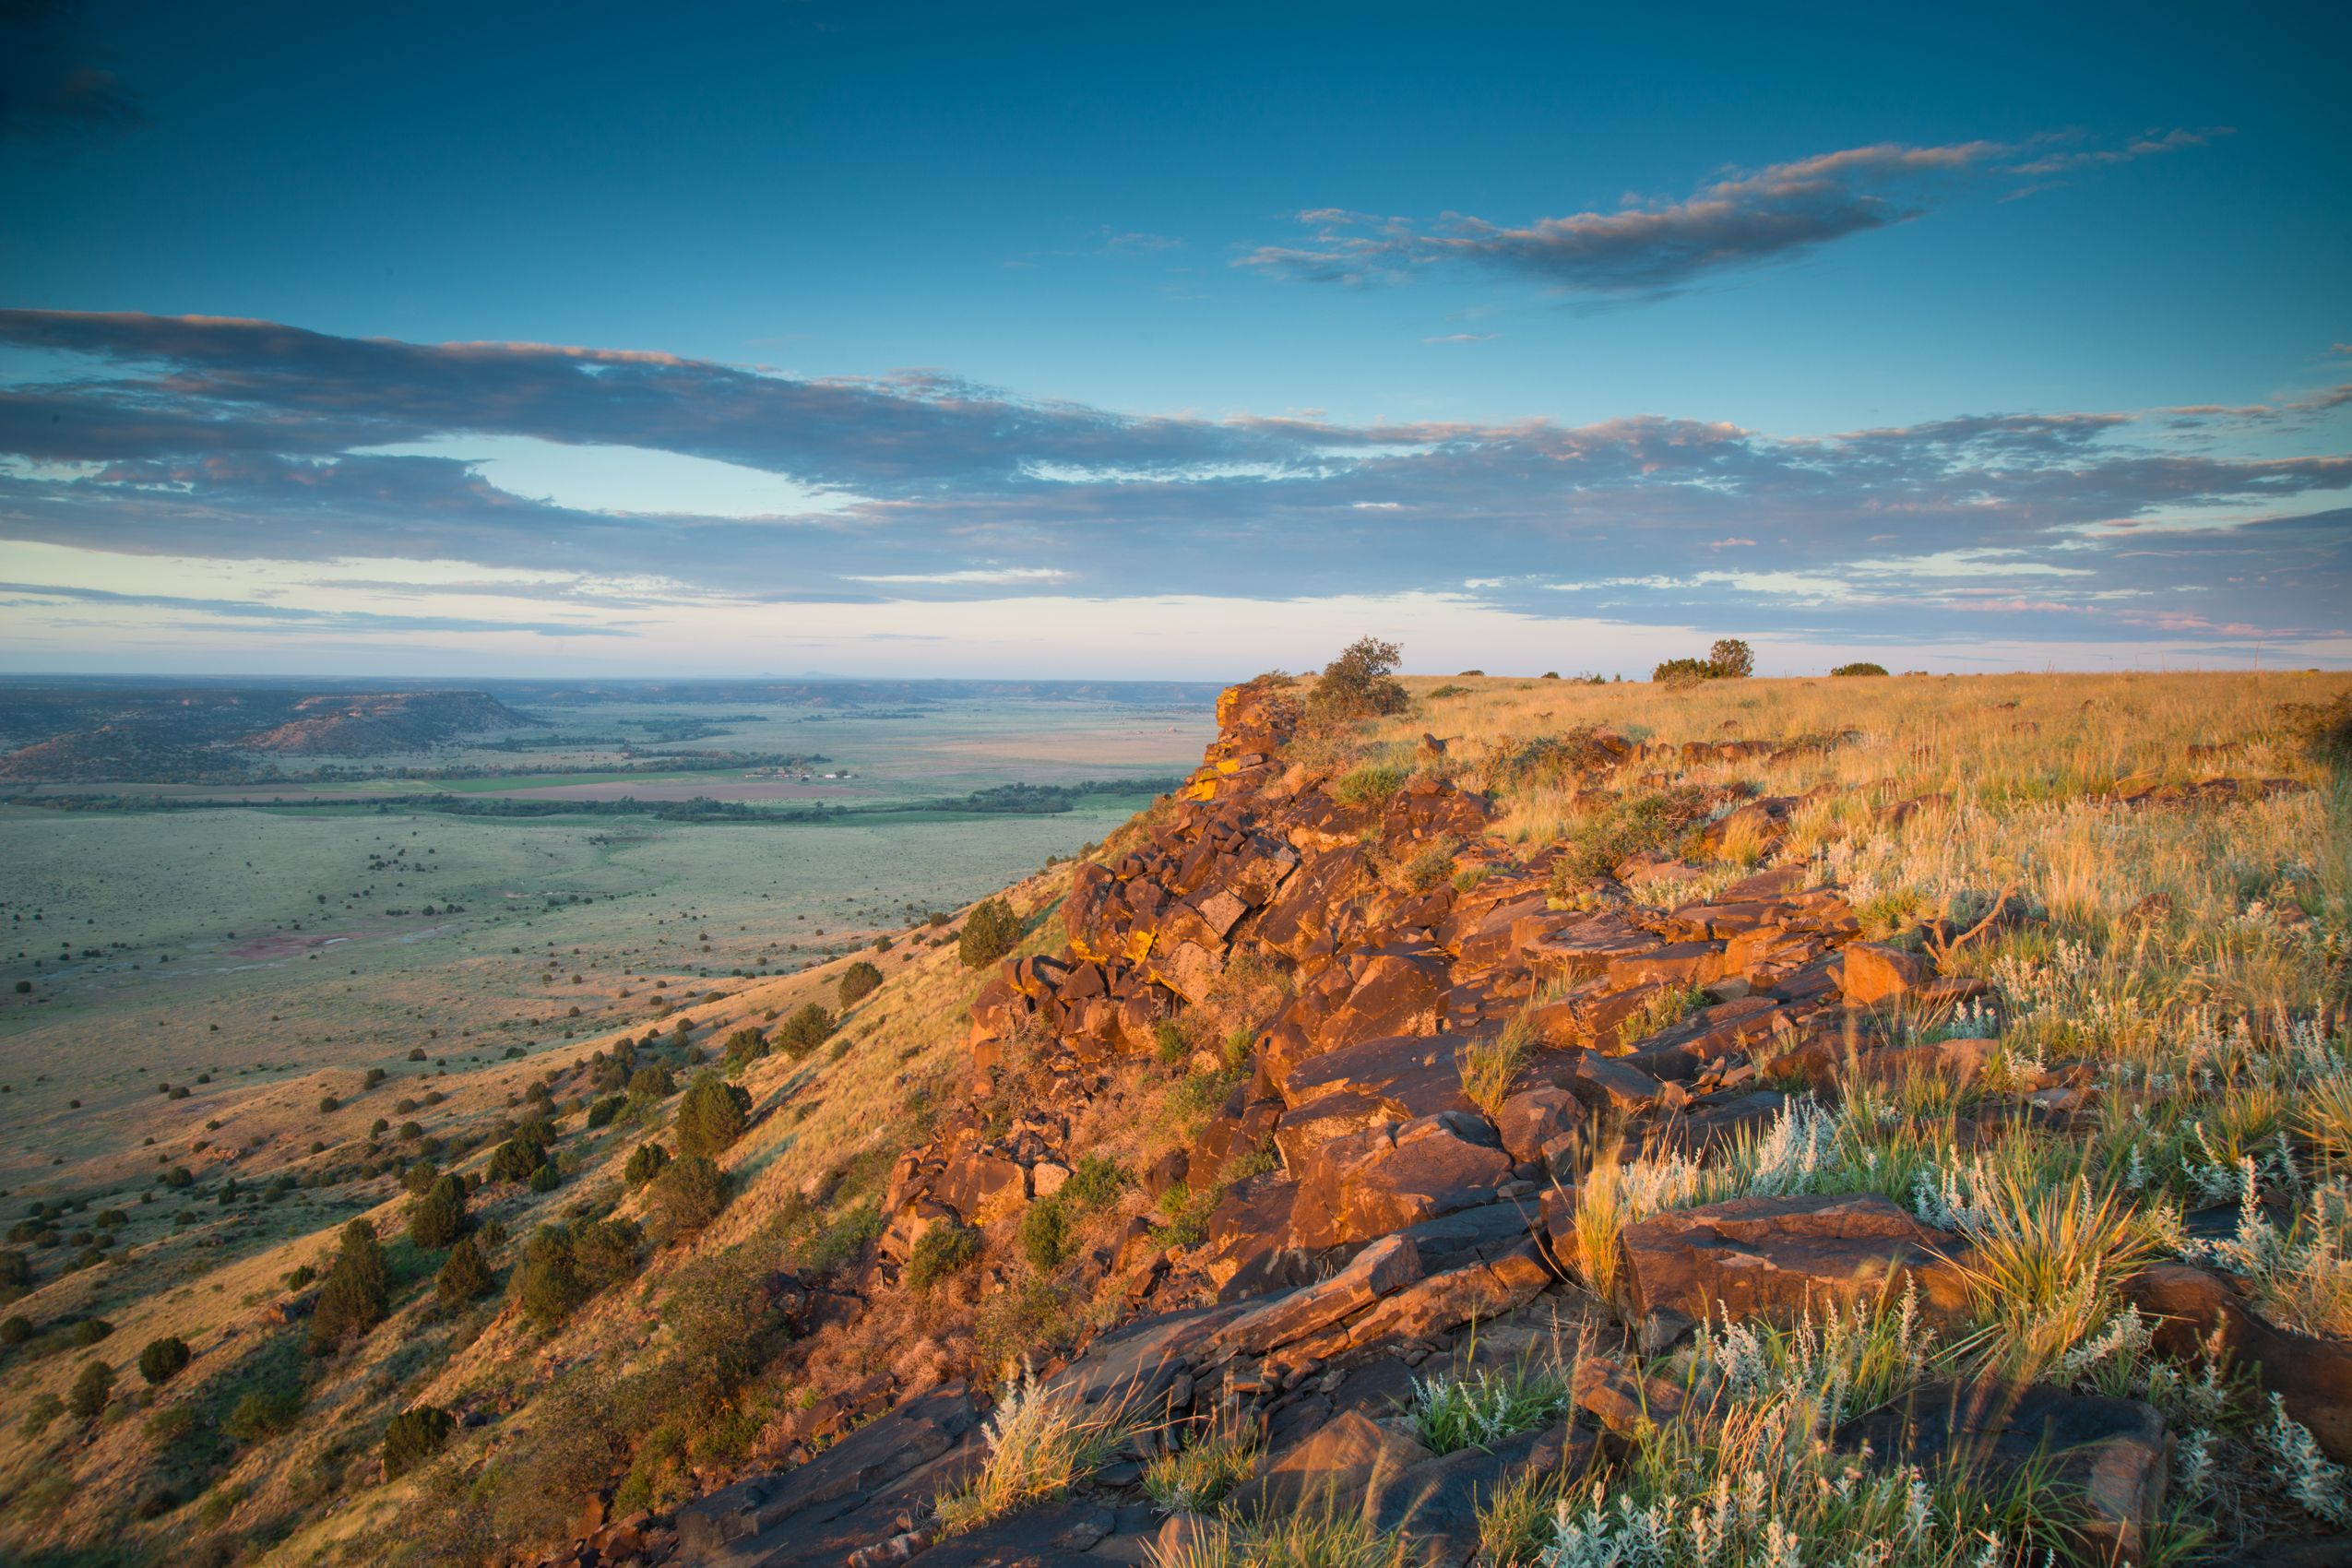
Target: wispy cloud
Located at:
point(2146, 146)
point(1465, 338)
point(1651, 247)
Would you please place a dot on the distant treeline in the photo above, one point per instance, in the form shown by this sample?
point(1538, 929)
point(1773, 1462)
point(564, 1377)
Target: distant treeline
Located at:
point(1003, 800)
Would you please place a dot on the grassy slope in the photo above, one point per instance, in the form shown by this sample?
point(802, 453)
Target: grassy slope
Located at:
point(2023, 782)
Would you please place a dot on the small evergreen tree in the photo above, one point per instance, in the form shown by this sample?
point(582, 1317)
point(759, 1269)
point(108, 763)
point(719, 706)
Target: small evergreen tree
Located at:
point(546, 1285)
point(464, 1275)
point(857, 982)
point(91, 1390)
point(163, 1360)
point(650, 1083)
point(439, 1217)
point(990, 931)
point(357, 1293)
point(645, 1161)
point(412, 1437)
point(1731, 660)
point(712, 1116)
point(689, 1193)
point(809, 1026)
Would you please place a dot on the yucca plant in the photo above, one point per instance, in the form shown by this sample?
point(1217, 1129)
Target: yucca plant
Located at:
point(1041, 1440)
point(1490, 1065)
point(2043, 1265)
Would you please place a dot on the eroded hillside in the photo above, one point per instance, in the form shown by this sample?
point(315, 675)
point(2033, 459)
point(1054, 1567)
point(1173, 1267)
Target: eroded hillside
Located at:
point(1552, 1122)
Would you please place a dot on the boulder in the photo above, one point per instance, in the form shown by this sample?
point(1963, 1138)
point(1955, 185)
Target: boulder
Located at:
point(1388, 1177)
point(1386, 1266)
point(2312, 1377)
point(1779, 1258)
point(1334, 1468)
point(1873, 974)
point(1539, 1124)
point(1395, 994)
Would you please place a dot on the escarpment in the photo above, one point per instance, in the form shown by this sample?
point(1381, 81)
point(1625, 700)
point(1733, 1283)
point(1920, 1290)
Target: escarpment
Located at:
point(1420, 1067)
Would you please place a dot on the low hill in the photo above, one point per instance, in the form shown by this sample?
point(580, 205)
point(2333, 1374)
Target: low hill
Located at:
point(347, 725)
point(1545, 1123)
point(105, 734)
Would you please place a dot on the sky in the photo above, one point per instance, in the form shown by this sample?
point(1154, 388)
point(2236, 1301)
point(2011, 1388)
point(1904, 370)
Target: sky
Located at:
point(1109, 341)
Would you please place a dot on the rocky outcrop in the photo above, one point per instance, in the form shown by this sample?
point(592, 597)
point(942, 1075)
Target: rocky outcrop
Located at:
point(1389, 1191)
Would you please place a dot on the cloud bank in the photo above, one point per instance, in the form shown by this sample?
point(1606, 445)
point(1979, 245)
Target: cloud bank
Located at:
point(138, 436)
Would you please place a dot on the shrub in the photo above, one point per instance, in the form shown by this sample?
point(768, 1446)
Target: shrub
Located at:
point(605, 1111)
point(604, 1251)
point(1370, 785)
point(689, 1193)
point(1728, 659)
point(439, 1217)
point(808, 1027)
point(357, 1293)
point(546, 1179)
point(652, 1083)
point(1859, 667)
point(91, 1331)
point(1359, 683)
point(45, 1408)
point(1490, 1066)
point(162, 1360)
point(515, 1160)
point(328, 1105)
point(263, 1414)
point(645, 1161)
point(412, 1437)
point(939, 1252)
point(1044, 1233)
point(91, 1390)
point(712, 1116)
point(547, 1286)
point(15, 1330)
point(464, 1275)
point(857, 982)
point(744, 1047)
point(418, 1179)
point(990, 931)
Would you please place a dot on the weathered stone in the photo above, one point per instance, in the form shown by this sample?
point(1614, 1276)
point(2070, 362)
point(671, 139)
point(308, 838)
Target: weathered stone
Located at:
point(1386, 1178)
point(1334, 1468)
point(1441, 1303)
point(1534, 1122)
point(2312, 1377)
point(1622, 1400)
point(1627, 1086)
point(1386, 1266)
point(1409, 1075)
point(1875, 975)
point(1395, 994)
point(1779, 1258)
point(1575, 946)
point(1678, 963)
point(974, 1182)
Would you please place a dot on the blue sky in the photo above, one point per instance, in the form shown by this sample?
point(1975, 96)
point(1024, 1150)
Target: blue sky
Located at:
point(1043, 340)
